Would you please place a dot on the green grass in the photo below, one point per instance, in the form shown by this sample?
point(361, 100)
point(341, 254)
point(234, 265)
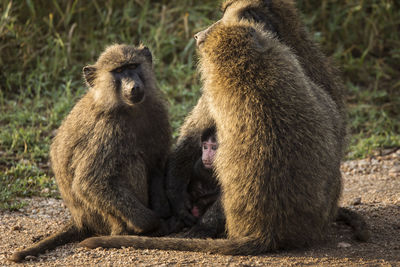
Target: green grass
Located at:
point(363, 37)
point(44, 45)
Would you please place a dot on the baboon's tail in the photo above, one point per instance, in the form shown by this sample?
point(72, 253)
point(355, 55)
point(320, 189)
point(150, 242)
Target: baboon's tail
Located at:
point(356, 221)
point(67, 234)
point(243, 246)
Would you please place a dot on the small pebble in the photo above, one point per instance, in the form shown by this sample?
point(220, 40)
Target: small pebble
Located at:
point(16, 228)
point(356, 201)
point(343, 245)
point(395, 170)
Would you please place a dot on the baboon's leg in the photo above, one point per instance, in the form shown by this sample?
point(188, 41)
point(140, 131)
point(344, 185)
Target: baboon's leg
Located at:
point(69, 233)
point(158, 197)
point(118, 198)
point(117, 226)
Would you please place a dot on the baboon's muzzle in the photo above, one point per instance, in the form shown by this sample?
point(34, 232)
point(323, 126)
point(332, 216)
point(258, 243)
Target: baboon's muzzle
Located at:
point(137, 93)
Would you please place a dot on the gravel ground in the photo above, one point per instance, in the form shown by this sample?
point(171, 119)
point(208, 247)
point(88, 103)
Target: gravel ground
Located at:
point(371, 187)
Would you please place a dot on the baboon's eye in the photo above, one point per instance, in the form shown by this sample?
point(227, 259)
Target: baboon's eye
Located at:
point(132, 66)
point(118, 70)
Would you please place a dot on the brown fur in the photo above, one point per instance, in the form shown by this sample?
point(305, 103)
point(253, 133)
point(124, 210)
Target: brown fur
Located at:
point(112, 143)
point(281, 183)
point(281, 18)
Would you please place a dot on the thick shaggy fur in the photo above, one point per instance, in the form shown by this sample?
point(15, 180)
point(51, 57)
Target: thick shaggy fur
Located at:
point(283, 18)
point(279, 17)
point(279, 149)
point(108, 149)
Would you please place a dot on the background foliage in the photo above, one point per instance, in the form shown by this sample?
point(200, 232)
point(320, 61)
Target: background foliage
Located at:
point(44, 45)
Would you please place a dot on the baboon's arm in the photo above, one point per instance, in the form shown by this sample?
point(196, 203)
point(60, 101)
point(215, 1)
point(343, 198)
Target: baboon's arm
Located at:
point(184, 156)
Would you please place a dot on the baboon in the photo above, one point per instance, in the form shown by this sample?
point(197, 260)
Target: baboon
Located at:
point(204, 190)
point(202, 193)
point(184, 157)
point(113, 143)
point(281, 182)
point(282, 19)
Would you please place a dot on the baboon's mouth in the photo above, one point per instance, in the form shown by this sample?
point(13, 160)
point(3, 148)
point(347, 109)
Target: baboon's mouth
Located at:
point(138, 98)
point(199, 43)
point(207, 164)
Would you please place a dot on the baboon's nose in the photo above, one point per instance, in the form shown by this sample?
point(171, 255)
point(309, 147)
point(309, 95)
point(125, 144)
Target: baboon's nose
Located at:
point(199, 37)
point(135, 87)
point(137, 93)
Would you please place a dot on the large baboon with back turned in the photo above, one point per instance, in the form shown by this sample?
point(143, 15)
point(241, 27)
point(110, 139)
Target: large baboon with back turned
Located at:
point(281, 18)
point(113, 143)
point(278, 161)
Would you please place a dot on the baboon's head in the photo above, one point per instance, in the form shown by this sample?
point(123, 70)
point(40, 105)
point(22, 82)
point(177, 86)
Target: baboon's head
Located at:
point(231, 32)
point(122, 75)
point(250, 12)
point(276, 16)
point(231, 50)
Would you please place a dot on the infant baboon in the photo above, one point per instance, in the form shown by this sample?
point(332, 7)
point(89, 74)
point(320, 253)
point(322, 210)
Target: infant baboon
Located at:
point(281, 183)
point(183, 158)
point(203, 192)
point(107, 150)
point(204, 189)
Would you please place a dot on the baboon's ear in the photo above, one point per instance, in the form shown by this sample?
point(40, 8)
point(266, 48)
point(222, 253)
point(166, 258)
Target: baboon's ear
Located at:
point(89, 74)
point(147, 53)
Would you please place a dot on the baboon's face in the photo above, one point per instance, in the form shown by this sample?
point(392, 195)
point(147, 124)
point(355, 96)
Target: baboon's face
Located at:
point(129, 82)
point(209, 150)
point(121, 76)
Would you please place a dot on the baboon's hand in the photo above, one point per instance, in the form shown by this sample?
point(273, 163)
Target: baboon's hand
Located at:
point(187, 217)
point(181, 210)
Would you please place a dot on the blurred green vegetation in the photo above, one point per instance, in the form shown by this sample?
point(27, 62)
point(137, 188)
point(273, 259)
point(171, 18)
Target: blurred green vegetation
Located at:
point(44, 45)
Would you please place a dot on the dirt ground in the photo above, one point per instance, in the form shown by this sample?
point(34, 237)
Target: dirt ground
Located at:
point(371, 187)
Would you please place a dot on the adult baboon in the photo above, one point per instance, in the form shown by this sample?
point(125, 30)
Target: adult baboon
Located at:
point(281, 18)
point(281, 183)
point(110, 146)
